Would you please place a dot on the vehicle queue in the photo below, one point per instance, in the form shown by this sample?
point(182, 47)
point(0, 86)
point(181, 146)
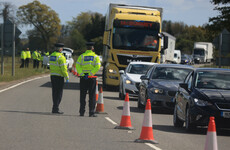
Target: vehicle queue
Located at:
point(194, 94)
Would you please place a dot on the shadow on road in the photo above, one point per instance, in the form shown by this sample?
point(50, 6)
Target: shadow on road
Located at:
point(198, 130)
point(36, 113)
point(67, 86)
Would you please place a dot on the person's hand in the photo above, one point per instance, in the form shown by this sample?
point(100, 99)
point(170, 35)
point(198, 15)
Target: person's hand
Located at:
point(67, 81)
point(86, 76)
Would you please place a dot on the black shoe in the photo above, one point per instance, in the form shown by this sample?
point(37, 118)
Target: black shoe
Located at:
point(93, 115)
point(57, 112)
point(81, 115)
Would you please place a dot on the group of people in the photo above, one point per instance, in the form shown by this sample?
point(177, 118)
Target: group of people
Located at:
point(36, 56)
point(87, 65)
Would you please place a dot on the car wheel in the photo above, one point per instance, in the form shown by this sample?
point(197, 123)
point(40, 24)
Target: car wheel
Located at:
point(188, 125)
point(121, 93)
point(176, 121)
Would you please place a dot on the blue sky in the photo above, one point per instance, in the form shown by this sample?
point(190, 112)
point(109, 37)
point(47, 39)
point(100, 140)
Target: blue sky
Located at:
point(191, 12)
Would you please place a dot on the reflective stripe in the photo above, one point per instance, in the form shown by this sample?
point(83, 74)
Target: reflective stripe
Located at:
point(98, 64)
point(54, 64)
point(82, 57)
point(63, 64)
point(91, 73)
point(78, 63)
point(55, 74)
point(81, 74)
point(86, 70)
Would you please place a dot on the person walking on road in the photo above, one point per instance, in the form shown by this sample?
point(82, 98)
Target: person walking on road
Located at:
point(87, 66)
point(23, 59)
point(28, 57)
point(58, 71)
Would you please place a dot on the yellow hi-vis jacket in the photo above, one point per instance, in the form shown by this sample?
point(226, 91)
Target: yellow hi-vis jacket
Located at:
point(58, 65)
point(28, 54)
point(23, 55)
point(88, 62)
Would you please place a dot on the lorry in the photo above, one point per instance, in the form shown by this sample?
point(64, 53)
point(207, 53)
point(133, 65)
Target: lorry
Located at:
point(177, 56)
point(132, 33)
point(202, 52)
point(167, 55)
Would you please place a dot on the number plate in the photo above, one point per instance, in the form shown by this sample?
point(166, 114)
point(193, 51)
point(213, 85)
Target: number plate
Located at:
point(225, 114)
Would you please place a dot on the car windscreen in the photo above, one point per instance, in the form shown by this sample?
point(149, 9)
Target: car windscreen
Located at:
point(138, 68)
point(170, 73)
point(213, 80)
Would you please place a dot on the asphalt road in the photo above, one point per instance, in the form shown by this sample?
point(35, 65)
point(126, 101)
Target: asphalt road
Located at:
point(27, 124)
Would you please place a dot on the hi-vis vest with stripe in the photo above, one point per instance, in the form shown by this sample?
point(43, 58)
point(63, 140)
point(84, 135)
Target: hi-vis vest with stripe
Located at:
point(58, 65)
point(23, 55)
point(88, 62)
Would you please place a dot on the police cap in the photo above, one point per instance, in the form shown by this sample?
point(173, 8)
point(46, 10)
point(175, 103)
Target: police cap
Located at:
point(59, 45)
point(90, 43)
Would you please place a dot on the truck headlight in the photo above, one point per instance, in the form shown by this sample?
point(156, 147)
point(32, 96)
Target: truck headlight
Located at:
point(112, 71)
point(157, 90)
point(200, 102)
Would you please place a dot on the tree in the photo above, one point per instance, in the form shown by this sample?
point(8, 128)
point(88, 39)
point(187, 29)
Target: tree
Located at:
point(221, 21)
point(43, 18)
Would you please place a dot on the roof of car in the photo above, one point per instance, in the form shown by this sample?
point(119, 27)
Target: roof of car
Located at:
point(141, 62)
point(212, 69)
point(174, 65)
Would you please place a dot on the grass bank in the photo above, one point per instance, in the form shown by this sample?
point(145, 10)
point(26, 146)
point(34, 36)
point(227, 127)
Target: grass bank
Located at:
point(20, 73)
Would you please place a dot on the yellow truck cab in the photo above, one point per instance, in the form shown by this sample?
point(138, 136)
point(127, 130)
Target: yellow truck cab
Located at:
point(132, 33)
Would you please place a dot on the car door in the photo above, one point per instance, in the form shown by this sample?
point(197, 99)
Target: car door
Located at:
point(183, 97)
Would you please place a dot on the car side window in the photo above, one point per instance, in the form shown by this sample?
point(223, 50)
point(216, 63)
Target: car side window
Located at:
point(190, 81)
point(149, 72)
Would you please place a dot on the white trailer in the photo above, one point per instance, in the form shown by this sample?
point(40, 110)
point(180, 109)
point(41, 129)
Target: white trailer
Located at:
point(167, 55)
point(177, 56)
point(203, 52)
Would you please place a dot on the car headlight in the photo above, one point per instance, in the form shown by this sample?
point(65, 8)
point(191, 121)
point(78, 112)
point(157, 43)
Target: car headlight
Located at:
point(128, 81)
point(200, 102)
point(157, 90)
point(112, 71)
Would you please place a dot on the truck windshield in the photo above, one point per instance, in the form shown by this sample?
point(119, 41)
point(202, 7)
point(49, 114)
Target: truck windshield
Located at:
point(199, 52)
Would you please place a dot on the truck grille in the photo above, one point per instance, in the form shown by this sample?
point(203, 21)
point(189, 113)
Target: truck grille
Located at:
point(126, 59)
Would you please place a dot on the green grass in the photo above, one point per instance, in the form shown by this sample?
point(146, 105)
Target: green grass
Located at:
point(20, 73)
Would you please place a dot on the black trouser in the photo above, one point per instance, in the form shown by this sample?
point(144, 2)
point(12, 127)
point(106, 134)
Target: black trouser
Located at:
point(57, 90)
point(34, 63)
point(23, 63)
point(87, 85)
point(37, 63)
point(27, 61)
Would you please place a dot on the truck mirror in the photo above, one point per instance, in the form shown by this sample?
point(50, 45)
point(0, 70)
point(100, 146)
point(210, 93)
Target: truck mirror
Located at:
point(106, 38)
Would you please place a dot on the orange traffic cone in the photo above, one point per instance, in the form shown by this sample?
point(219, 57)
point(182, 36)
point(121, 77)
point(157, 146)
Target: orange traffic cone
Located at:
point(125, 119)
point(147, 130)
point(100, 103)
point(96, 89)
point(211, 140)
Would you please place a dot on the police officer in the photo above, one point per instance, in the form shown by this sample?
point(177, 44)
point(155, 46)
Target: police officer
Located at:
point(58, 71)
point(35, 58)
point(23, 58)
point(88, 65)
point(28, 57)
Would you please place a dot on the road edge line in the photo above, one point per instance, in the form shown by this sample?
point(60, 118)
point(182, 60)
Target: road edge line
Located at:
point(110, 120)
point(153, 146)
point(22, 83)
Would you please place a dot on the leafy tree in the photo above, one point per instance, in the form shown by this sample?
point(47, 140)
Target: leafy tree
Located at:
point(221, 21)
point(43, 18)
point(77, 41)
point(7, 11)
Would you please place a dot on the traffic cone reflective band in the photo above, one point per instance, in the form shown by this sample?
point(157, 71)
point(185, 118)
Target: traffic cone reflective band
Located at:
point(96, 89)
point(125, 119)
point(147, 130)
point(100, 103)
point(211, 139)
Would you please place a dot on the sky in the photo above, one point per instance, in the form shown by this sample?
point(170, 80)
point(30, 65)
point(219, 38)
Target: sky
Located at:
point(191, 12)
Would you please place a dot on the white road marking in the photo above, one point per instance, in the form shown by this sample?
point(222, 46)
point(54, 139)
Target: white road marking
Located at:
point(153, 146)
point(21, 83)
point(107, 118)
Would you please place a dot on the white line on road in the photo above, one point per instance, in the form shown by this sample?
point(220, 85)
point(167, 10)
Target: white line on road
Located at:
point(107, 118)
point(152, 146)
point(21, 83)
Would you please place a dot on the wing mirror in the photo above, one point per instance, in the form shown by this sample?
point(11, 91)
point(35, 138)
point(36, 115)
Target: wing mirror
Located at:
point(121, 71)
point(184, 86)
point(144, 77)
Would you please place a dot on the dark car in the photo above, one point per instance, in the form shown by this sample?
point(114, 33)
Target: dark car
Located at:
point(187, 59)
point(205, 92)
point(160, 84)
